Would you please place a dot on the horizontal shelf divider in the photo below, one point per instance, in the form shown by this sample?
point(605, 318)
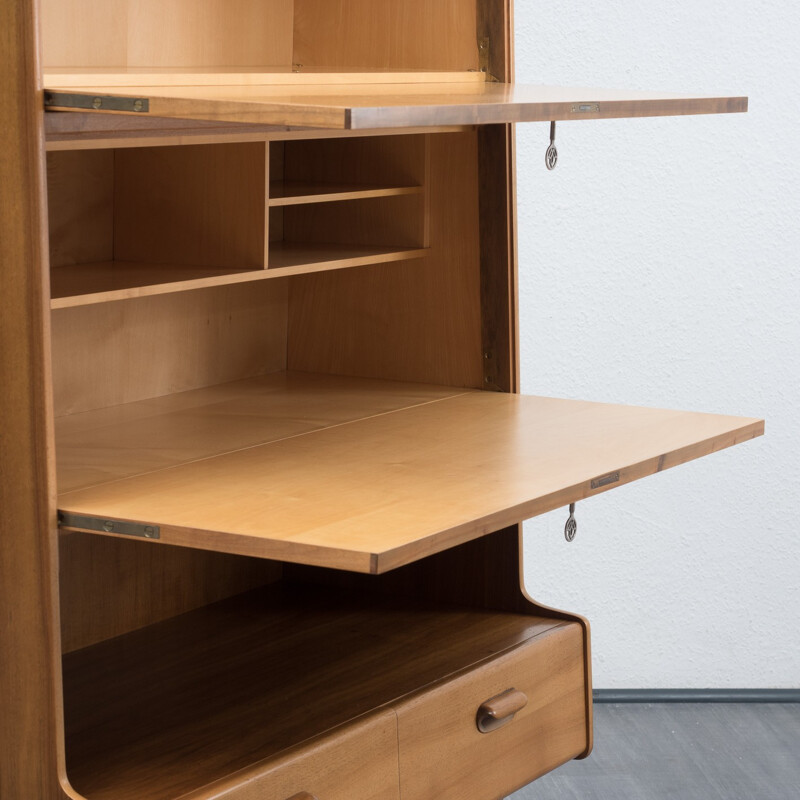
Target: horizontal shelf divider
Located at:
point(292, 193)
point(87, 284)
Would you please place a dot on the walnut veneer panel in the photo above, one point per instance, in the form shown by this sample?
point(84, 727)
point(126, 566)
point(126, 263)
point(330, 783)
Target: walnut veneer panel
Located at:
point(443, 755)
point(384, 491)
point(170, 708)
point(356, 762)
point(368, 107)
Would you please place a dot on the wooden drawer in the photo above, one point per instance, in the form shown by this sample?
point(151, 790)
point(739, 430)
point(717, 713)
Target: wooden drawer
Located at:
point(443, 755)
point(358, 762)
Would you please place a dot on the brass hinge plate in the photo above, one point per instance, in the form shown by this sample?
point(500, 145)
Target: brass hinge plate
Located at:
point(93, 102)
point(484, 59)
point(144, 530)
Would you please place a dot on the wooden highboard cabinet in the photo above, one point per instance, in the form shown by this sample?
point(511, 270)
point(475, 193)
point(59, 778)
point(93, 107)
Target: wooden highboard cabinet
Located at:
point(264, 460)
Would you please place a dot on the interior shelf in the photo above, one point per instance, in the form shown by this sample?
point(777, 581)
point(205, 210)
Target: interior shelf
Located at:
point(85, 284)
point(385, 489)
point(294, 258)
point(290, 193)
point(103, 282)
point(148, 714)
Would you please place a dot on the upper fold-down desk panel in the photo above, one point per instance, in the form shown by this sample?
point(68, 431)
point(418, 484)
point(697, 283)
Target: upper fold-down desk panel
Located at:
point(365, 102)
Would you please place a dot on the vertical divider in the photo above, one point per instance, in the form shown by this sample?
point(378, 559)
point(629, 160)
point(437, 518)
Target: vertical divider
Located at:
point(426, 182)
point(267, 166)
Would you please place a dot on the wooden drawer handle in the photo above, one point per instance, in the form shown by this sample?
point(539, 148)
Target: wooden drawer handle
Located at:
point(303, 796)
point(500, 710)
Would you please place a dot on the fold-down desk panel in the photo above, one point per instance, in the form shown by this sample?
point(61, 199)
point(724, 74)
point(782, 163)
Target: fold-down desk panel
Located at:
point(379, 492)
point(373, 106)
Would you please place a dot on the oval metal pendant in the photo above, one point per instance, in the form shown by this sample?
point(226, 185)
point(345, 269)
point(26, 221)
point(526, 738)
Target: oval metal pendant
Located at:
point(571, 528)
point(551, 157)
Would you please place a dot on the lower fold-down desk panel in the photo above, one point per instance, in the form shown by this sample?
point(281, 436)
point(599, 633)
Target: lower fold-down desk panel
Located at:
point(371, 488)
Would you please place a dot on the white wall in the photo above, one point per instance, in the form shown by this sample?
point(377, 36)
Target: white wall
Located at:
point(659, 266)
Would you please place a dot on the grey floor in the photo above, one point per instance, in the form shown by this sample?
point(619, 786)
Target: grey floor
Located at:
point(681, 751)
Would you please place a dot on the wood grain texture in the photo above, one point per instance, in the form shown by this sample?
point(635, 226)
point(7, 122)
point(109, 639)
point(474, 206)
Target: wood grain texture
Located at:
point(392, 34)
point(181, 33)
point(31, 733)
point(410, 105)
point(291, 193)
point(253, 76)
point(180, 428)
point(486, 573)
point(495, 23)
point(89, 284)
point(444, 755)
point(109, 281)
point(418, 321)
point(203, 205)
point(114, 353)
point(84, 131)
point(303, 258)
point(387, 490)
point(148, 716)
point(109, 587)
point(80, 201)
point(499, 322)
point(393, 160)
point(355, 762)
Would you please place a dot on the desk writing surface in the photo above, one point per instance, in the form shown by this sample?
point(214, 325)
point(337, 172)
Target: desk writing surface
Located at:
point(385, 490)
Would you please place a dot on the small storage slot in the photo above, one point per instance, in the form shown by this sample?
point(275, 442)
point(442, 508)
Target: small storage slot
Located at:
point(499, 726)
point(347, 202)
point(143, 221)
point(222, 694)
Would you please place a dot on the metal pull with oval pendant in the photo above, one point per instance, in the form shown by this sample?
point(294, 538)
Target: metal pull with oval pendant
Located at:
point(500, 710)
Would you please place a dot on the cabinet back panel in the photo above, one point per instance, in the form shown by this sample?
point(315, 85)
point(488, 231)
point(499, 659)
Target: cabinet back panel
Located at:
point(202, 205)
point(80, 187)
point(390, 34)
point(110, 587)
point(113, 353)
point(416, 321)
point(175, 33)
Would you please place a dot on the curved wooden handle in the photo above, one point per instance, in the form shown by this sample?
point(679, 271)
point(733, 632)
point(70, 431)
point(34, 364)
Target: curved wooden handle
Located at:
point(500, 710)
point(303, 796)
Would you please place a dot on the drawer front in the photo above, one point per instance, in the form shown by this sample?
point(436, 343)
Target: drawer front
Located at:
point(530, 702)
point(358, 762)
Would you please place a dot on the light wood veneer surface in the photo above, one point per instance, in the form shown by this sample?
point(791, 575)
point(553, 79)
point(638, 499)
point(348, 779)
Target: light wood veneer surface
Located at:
point(386, 489)
point(370, 106)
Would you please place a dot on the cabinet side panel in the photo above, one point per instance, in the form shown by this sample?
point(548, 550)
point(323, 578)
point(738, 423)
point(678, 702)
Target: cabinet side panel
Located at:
point(391, 34)
point(110, 587)
point(418, 320)
point(31, 736)
point(114, 353)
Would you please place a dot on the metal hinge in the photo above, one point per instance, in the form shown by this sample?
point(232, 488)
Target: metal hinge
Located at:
point(95, 102)
point(67, 519)
point(484, 59)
